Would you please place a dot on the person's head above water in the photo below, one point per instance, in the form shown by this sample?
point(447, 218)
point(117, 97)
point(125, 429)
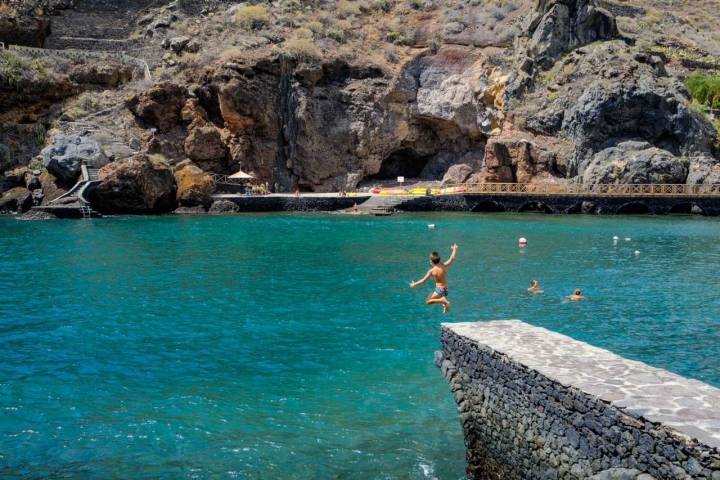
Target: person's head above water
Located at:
point(533, 283)
point(434, 258)
point(577, 292)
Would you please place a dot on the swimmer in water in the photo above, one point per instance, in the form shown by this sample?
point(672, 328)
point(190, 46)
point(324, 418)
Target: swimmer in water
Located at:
point(438, 272)
point(577, 295)
point(535, 287)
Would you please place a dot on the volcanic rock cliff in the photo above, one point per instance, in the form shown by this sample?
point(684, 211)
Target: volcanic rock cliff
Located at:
point(325, 95)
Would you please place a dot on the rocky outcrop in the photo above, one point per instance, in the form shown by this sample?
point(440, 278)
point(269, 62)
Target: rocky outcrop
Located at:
point(134, 185)
point(16, 200)
point(194, 186)
point(603, 95)
point(104, 74)
point(204, 144)
point(50, 187)
point(457, 174)
point(635, 162)
point(196, 210)
point(330, 125)
point(521, 158)
point(559, 26)
point(704, 169)
point(553, 29)
point(159, 106)
point(524, 91)
point(68, 152)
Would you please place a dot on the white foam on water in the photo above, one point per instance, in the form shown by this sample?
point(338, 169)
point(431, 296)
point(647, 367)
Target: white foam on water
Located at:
point(428, 471)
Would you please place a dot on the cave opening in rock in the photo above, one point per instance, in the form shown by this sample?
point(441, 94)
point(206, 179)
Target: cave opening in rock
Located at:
point(536, 207)
point(634, 209)
point(489, 206)
point(405, 162)
point(686, 209)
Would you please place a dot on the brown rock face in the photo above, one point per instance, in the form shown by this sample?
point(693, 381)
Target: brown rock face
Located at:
point(15, 178)
point(519, 159)
point(159, 106)
point(18, 199)
point(457, 174)
point(134, 185)
point(50, 187)
point(193, 114)
point(107, 75)
point(194, 186)
point(204, 144)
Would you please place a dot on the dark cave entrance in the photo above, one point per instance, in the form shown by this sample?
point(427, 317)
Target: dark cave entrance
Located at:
point(405, 162)
point(686, 209)
point(489, 206)
point(537, 207)
point(634, 209)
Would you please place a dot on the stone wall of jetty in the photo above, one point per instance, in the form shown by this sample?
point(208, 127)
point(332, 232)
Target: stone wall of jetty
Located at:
point(535, 404)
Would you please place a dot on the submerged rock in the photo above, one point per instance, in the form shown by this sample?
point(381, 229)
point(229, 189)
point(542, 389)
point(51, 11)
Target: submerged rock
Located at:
point(199, 209)
point(224, 206)
point(134, 185)
point(37, 215)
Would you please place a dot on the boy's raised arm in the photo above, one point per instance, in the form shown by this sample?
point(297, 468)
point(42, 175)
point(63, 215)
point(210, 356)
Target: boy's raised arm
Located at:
point(452, 255)
point(422, 280)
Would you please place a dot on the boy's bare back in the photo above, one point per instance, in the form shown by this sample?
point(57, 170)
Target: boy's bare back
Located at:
point(439, 274)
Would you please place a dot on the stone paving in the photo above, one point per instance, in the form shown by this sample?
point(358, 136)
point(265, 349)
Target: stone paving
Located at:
point(689, 406)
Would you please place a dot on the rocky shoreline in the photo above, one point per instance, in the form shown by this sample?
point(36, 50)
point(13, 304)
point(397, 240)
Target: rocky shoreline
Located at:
point(548, 92)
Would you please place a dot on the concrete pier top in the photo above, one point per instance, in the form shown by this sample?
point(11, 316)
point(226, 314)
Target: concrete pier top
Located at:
point(688, 406)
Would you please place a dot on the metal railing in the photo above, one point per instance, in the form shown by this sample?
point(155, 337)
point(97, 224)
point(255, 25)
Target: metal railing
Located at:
point(577, 189)
point(220, 178)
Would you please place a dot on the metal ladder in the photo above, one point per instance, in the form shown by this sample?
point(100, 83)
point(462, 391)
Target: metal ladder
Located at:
point(86, 211)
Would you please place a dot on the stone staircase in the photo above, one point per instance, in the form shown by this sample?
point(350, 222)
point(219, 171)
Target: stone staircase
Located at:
point(73, 203)
point(101, 25)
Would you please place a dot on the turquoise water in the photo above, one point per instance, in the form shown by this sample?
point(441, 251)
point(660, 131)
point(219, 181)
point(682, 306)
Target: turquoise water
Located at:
point(289, 346)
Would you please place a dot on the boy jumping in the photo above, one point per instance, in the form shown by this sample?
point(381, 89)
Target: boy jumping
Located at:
point(438, 273)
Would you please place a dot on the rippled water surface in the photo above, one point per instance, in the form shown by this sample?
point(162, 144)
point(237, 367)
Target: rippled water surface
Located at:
point(289, 346)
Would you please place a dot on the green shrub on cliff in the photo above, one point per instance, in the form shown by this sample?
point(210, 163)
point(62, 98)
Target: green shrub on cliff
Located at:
point(252, 16)
point(301, 48)
point(336, 33)
point(705, 90)
point(10, 70)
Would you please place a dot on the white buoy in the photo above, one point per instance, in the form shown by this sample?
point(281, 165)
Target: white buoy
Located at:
point(431, 226)
point(637, 252)
point(616, 238)
point(522, 241)
point(627, 239)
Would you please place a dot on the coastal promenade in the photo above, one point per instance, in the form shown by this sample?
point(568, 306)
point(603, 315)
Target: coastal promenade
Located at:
point(535, 404)
point(305, 202)
point(565, 198)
